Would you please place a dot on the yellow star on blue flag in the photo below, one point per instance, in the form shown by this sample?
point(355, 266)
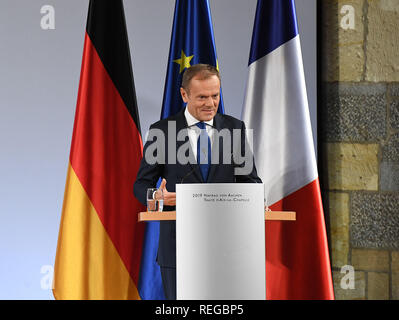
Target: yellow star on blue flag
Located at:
point(184, 61)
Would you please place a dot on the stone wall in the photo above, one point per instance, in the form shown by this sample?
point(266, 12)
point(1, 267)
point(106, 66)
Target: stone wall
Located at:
point(359, 143)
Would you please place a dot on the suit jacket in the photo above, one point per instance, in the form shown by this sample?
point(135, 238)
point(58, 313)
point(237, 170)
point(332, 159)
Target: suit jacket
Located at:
point(149, 174)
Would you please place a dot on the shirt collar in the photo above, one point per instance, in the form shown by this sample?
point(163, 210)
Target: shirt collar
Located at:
point(191, 120)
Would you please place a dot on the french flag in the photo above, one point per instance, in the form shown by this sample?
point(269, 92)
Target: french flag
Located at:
point(276, 108)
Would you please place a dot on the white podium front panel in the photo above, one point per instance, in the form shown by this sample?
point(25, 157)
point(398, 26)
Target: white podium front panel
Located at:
point(220, 239)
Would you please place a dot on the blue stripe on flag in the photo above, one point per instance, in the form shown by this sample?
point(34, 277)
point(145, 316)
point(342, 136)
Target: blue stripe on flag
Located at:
point(150, 282)
point(281, 28)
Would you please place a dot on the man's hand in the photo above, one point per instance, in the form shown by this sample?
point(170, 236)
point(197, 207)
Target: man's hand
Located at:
point(169, 198)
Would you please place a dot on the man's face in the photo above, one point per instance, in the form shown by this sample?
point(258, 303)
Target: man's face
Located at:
point(202, 97)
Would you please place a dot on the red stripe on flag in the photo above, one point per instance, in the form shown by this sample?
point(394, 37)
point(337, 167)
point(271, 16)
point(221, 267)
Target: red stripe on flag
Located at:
point(297, 256)
point(105, 153)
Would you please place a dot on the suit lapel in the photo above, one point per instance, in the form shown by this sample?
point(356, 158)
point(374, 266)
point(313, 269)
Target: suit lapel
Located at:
point(181, 124)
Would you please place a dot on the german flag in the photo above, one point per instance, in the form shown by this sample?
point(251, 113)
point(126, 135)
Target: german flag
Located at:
point(100, 241)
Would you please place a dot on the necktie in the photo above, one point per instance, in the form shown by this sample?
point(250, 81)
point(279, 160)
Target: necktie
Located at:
point(203, 151)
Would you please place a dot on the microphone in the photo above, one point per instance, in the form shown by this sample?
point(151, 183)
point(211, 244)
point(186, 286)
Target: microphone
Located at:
point(253, 181)
point(247, 176)
point(234, 166)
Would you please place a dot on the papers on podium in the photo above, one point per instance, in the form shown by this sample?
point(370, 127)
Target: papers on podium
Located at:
point(220, 239)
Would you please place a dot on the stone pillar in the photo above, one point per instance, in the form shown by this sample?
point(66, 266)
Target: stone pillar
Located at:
point(358, 120)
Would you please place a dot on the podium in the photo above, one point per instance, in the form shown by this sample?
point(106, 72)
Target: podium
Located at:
point(171, 215)
point(220, 240)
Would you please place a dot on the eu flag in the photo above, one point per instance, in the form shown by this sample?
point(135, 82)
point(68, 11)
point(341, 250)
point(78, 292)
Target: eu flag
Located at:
point(192, 42)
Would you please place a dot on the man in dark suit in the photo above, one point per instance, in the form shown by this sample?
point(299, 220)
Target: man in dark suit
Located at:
point(192, 136)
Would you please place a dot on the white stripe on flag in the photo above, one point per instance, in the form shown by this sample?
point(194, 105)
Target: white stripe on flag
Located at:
point(276, 107)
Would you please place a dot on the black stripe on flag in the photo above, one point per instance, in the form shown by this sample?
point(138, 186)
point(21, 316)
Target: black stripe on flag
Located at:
point(106, 27)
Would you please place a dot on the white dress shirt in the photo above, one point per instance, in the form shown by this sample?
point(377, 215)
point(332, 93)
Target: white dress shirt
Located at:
point(194, 131)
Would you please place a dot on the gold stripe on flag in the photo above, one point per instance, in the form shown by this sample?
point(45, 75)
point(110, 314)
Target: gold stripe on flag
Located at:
point(88, 255)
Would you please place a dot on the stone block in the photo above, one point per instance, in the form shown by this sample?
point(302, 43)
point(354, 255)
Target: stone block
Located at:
point(390, 149)
point(389, 176)
point(394, 90)
point(353, 112)
point(351, 166)
point(377, 286)
point(374, 221)
point(395, 275)
point(343, 53)
point(338, 205)
point(394, 114)
point(370, 260)
point(382, 63)
point(358, 293)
